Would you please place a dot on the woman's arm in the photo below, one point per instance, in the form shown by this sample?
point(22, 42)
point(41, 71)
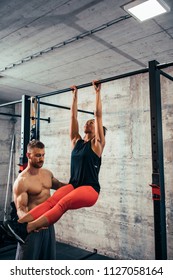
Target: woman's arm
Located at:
point(99, 142)
point(74, 127)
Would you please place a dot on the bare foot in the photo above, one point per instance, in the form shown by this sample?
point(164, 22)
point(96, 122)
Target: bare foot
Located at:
point(38, 224)
point(26, 219)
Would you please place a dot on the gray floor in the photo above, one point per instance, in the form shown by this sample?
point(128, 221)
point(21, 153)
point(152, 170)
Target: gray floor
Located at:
point(64, 252)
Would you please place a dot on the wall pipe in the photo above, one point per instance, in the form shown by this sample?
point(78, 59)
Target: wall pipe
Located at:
point(10, 103)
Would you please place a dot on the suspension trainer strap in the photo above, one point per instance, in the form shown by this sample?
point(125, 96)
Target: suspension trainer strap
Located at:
point(33, 112)
point(25, 131)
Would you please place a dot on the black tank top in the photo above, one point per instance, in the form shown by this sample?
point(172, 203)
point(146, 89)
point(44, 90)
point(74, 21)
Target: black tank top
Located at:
point(85, 166)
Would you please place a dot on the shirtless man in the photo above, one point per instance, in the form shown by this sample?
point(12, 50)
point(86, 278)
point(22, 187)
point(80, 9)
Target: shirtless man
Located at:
point(31, 188)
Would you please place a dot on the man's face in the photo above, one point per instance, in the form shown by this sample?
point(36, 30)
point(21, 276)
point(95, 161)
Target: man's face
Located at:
point(36, 157)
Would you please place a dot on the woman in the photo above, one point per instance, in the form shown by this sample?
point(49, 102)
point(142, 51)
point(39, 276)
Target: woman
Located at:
point(83, 188)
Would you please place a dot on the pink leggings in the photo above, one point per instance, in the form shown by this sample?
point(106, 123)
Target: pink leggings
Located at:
point(65, 198)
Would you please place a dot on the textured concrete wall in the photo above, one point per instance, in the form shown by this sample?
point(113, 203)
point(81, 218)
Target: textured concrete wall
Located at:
point(167, 116)
point(121, 224)
point(6, 133)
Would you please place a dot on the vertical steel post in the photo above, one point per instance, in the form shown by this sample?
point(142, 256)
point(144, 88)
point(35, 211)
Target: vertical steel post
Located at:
point(38, 120)
point(25, 131)
point(158, 188)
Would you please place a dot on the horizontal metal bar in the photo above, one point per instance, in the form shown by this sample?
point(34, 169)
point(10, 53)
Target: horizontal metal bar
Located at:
point(10, 103)
point(90, 83)
point(19, 116)
point(165, 65)
point(43, 119)
point(166, 75)
point(10, 115)
point(54, 105)
point(121, 76)
point(64, 107)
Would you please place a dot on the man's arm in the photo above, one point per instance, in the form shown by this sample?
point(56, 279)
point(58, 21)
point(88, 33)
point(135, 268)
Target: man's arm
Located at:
point(56, 184)
point(20, 197)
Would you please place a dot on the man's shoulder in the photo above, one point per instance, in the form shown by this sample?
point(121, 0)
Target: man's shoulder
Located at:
point(45, 171)
point(19, 183)
point(20, 178)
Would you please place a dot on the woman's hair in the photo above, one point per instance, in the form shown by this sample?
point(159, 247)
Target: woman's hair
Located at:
point(104, 130)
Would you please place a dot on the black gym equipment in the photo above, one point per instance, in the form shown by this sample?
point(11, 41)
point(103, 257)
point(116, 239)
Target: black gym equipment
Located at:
point(158, 186)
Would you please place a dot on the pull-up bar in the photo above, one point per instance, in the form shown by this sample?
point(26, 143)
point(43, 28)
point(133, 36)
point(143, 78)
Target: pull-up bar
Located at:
point(121, 76)
point(90, 83)
point(64, 107)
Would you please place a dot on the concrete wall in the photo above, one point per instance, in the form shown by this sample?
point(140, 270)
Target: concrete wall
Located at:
point(167, 116)
point(121, 224)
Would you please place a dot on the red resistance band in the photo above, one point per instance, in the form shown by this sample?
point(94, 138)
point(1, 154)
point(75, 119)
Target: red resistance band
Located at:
point(22, 167)
point(155, 191)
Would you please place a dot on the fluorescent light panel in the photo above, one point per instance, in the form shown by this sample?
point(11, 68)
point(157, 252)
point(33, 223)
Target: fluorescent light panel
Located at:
point(146, 9)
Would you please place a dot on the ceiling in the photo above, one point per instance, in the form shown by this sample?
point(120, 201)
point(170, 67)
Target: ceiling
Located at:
point(50, 45)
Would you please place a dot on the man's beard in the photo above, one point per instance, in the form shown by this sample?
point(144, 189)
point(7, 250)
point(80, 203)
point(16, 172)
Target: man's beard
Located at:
point(37, 165)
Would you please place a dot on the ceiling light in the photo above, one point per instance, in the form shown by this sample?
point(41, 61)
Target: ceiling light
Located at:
point(146, 9)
